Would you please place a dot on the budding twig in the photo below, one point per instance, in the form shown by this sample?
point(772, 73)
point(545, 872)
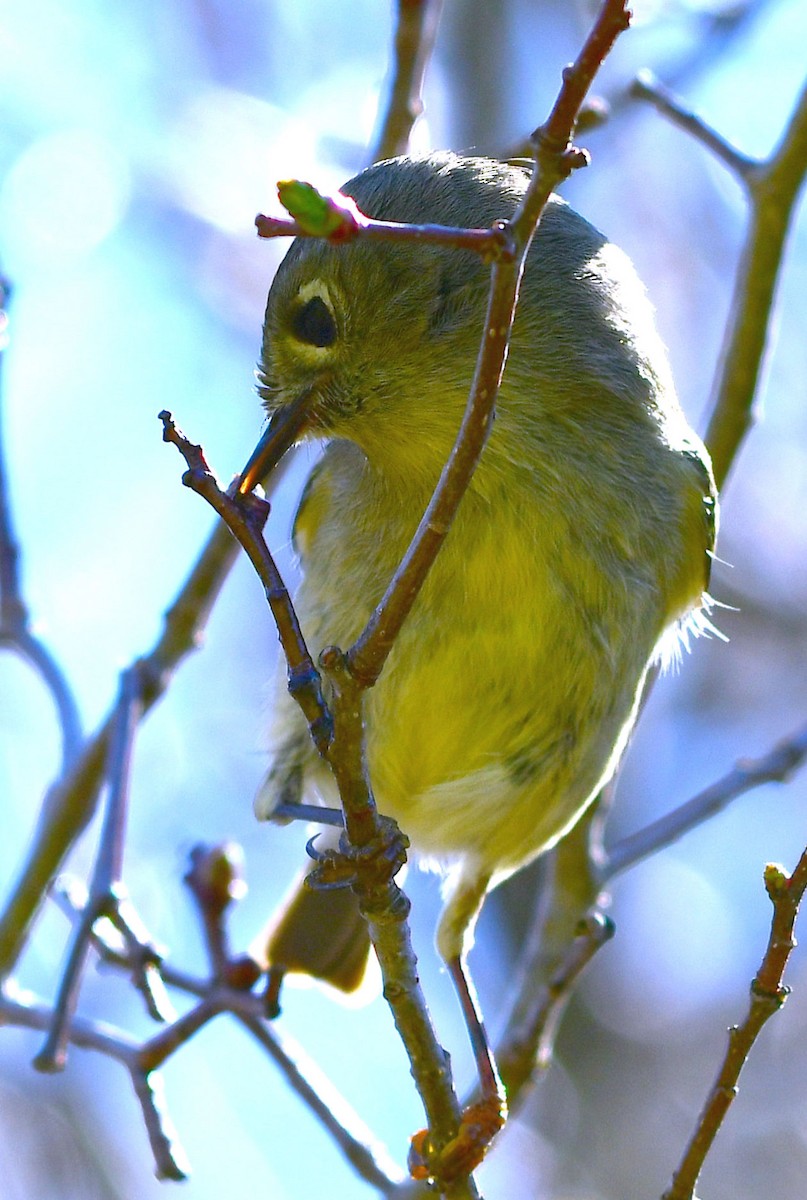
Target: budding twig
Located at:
point(492, 245)
point(555, 157)
point(768, 994)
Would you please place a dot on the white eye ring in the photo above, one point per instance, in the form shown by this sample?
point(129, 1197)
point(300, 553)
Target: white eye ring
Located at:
point(313, 322)
point(315, 288)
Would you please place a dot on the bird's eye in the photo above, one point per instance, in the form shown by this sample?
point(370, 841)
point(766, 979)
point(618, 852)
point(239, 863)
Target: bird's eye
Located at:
point(314, 323)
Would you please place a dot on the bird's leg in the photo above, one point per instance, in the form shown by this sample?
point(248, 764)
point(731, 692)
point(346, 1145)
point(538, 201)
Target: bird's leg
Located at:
point(482, 1119)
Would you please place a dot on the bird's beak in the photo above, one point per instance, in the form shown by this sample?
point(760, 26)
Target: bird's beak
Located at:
point(285, 427)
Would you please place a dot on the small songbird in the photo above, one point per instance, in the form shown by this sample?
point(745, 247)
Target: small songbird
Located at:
point(579, 556)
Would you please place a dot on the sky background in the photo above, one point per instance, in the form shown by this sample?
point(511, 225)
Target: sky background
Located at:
point(136, 145)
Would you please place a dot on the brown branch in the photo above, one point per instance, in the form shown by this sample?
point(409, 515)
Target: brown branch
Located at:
point(773, 186)
point(369, 1158)
point(768, 994)
point(566, 933)
point(555, 158)
point(215, 882)
point(490, 244)
point(170, 1160)
point(245, 517)
point(379, 849)
point(415, 33)
point(647, 87)
point(22, 1009)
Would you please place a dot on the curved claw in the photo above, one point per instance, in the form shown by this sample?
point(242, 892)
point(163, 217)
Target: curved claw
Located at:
point(317, 855)
point(334, 869)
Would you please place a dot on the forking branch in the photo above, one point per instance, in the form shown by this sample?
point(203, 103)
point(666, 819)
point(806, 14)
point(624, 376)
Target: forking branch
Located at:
point(51, 849)
point(351, 673)
point(772, 186)
point(582, 864)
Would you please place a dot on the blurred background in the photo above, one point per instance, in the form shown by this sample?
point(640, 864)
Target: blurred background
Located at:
point(136, 145)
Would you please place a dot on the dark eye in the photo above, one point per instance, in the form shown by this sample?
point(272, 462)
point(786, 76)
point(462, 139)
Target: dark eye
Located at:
point(313, 322)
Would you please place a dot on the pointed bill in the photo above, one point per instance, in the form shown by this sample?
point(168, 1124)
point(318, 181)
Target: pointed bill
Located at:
point(286, 425)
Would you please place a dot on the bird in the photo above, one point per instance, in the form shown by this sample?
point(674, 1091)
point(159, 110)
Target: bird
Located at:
point(579, 556)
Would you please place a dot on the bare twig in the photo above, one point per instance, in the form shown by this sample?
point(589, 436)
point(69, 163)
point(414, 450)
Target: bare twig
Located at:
point(555, 158)
point(384, 904)
point(107, 896)
point(170, 1160)
point(23, 1009)
point(15, 632)
point(415, 33)
point(71, 802)
point(34, 651)
point(561, 942)
point(245, 518)
point(215, 882)
point(647, 87)
point(369, 1158)
point(774, 767)
point(768, 994)
point(773, 186)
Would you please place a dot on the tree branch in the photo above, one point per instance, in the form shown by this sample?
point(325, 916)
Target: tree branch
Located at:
point(774, 767)
point(555, 158)
point(415, 34)
point(768, 994)
point(71, 801)
point(773, 186)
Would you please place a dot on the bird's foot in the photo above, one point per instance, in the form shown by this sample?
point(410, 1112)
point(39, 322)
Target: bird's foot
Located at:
point(377, 862)
point(462, 1155)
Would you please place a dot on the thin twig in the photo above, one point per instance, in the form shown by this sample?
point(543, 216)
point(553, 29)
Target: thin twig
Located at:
point(566, 932)
point(369, 1157)
point(106, 889)
point(773, 186)
point(245, 517)
point(21, 1008)
point(215, 881)
point(647, 87)
point(170, 1160)
point(34, 651)
point(415, 33)
point(71, 802)
point(555, 158)
point(491, 245)
point(384, 904)
point(768, 994)
point(15, 632)
point(774, 767)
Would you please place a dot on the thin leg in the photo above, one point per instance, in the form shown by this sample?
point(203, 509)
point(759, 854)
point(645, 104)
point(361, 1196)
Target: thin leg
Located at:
point(483, 1119)
point(490, 1084)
